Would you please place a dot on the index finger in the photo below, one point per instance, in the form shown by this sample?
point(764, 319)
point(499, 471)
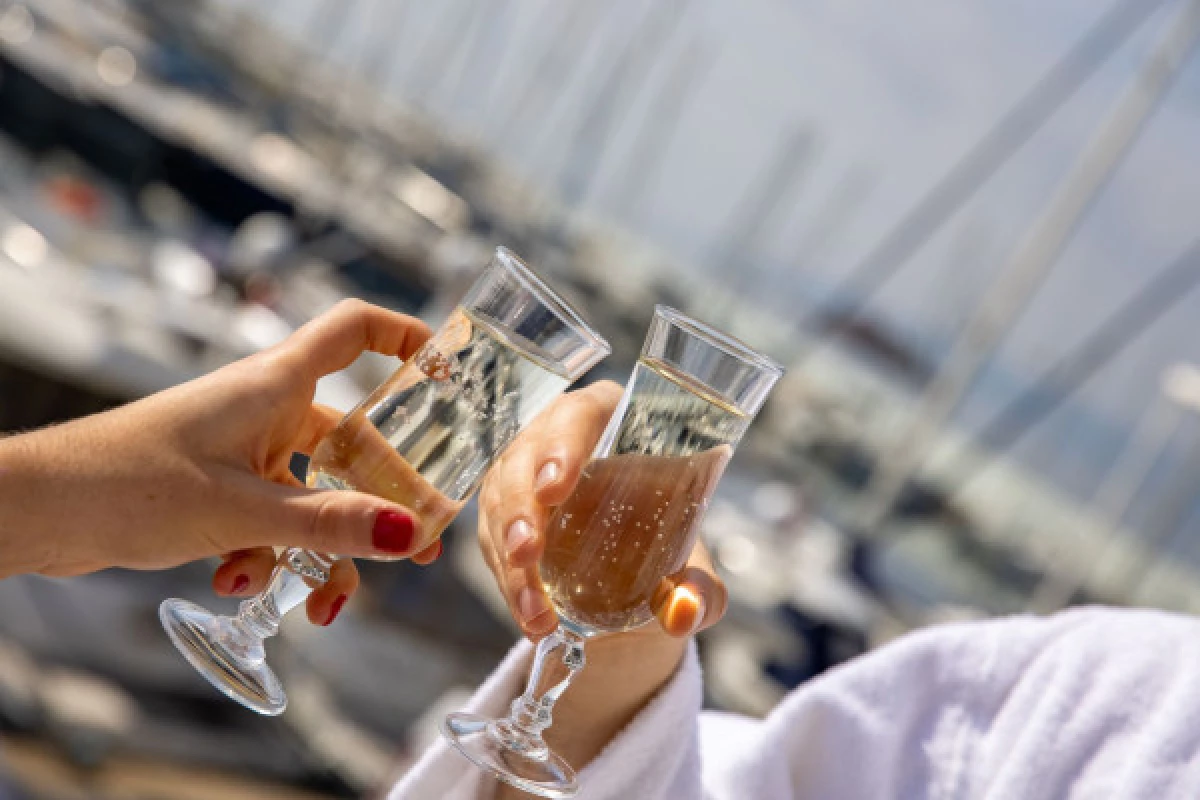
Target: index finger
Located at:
point(333, 341)
point(566, 435)
point(542, 467)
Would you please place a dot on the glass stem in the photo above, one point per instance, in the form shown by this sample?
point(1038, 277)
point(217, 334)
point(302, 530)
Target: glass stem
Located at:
point(532, 712)
point(296, 574)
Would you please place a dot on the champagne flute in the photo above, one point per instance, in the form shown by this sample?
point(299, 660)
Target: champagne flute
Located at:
point(625, 533)
point(424, 438)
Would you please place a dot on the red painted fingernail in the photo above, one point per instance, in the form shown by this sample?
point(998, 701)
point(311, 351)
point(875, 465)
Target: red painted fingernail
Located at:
point(438, 554)
point(336, 608)
point(240, 583)
point(393, 532)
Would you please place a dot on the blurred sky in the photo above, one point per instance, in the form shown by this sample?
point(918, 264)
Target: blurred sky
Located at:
point(894, 92)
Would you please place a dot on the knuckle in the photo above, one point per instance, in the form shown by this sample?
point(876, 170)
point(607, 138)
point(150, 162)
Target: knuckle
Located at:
point(274, 371)
point(513, 581)
point(273, 361)
point(323, 525)
point(520, 459)
point(257, 372)
point(351, 307)
point(606, 389)
point(354, 314)
point(520, 501)
point(589, 406)
point(415, 327)
point(581, 401)
point(603, 395)
point(489, 504)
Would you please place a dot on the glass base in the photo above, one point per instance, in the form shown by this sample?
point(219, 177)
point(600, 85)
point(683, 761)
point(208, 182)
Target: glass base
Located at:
point(230, 658)
point(475, 737)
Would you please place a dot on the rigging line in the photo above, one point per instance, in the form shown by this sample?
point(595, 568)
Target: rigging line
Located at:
point(991, 152)
point(1062, 379)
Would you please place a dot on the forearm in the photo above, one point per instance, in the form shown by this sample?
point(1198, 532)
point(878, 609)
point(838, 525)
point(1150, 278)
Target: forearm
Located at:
point(24, 543)
point(64, 492)
point(622, 674)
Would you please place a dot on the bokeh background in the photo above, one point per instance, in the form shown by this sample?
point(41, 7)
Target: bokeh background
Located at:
point(968, 229)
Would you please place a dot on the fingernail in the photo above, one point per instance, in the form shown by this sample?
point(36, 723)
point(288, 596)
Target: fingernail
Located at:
point(240, 583)
point(393, 532)
point(685, 595)
point(531, 604)
point(547, 475)
point(518, 533)
point(438, 554)
point(336, 608)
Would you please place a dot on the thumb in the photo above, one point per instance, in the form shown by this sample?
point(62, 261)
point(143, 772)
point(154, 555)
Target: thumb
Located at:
point(690, 601)
point(343, 523)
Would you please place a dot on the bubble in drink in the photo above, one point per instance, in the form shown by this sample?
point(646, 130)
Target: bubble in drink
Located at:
point(426, 437)
point(630, 524)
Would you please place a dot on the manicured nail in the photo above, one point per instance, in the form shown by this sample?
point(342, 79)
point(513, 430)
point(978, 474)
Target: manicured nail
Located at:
point(518, 533)
point(683, 595)
point(240, 583)
point(438, 553)
point(336, 608)
point(531, 604)
point(393, 532)
point(548, 474)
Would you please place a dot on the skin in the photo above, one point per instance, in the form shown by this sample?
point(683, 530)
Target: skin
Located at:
point(624, 671)
point(202, 469)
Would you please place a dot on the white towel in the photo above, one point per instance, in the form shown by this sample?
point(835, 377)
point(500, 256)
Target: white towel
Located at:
point(1087, 704)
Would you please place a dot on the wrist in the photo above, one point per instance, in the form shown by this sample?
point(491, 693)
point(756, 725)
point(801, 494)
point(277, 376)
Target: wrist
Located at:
point(647, 650)
point(63, 509)
point(622, 673)
point(24, 543)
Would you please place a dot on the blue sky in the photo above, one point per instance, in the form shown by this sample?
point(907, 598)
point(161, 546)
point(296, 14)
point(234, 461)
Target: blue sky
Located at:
point(895, 92)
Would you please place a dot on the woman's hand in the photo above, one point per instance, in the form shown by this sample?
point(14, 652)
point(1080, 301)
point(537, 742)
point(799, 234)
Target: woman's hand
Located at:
point(538, 472)
point(202, 469)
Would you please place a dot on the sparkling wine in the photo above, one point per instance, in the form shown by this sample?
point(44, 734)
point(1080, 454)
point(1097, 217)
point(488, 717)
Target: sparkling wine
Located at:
point(426, 437)
point(630, 524)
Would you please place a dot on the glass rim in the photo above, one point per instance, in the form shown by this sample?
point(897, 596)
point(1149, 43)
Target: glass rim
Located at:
point(727, 343)
point(552, 299)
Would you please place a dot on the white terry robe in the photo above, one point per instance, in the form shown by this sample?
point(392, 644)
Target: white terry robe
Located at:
point(1092, 703)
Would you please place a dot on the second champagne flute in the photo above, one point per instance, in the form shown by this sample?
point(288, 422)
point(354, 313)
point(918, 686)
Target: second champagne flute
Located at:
point(618, 543)
point(423, 439)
